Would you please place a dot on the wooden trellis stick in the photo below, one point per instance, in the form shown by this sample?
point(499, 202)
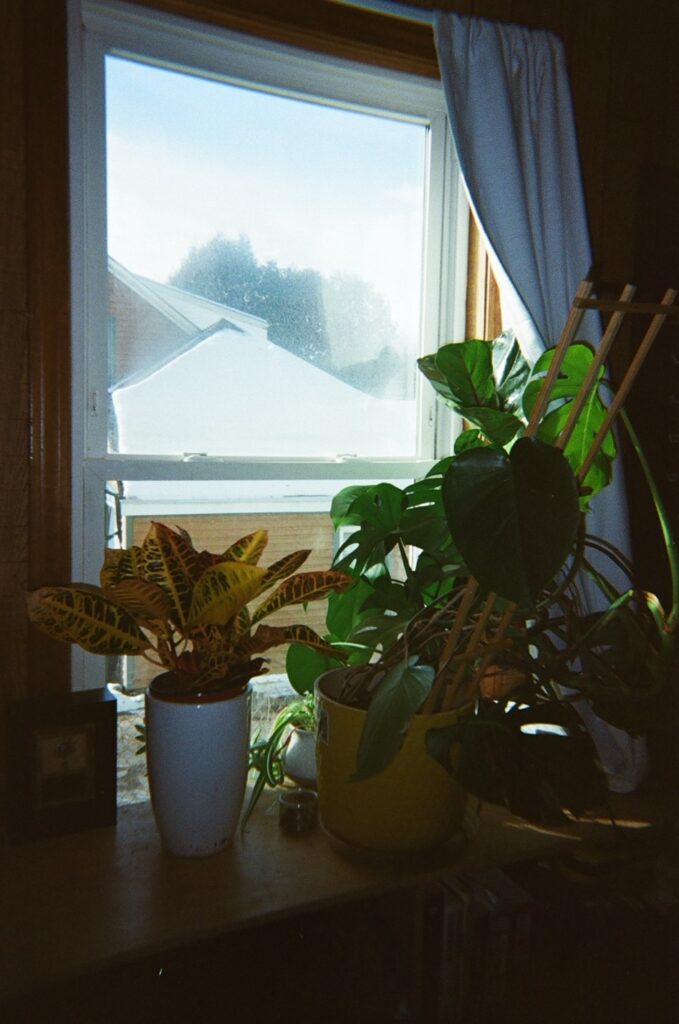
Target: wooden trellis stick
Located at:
point(627, 381)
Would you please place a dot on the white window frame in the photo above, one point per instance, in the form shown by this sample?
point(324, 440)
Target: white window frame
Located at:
point(100, 27)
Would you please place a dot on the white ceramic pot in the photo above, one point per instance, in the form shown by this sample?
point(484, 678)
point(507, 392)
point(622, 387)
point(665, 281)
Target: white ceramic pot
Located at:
point(197, 757)
point(299, 758)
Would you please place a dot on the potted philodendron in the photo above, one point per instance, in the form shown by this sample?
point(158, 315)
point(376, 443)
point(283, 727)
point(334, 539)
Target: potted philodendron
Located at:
point(199, 617)
point(469, 603)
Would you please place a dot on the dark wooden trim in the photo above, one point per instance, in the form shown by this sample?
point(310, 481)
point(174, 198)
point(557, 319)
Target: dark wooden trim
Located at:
point(321, 26)
point(47, 217)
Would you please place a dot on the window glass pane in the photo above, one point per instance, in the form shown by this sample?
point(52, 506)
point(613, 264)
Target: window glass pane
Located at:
point(265, 266)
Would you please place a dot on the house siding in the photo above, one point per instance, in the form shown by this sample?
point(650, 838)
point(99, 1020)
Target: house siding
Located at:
point(139, 335)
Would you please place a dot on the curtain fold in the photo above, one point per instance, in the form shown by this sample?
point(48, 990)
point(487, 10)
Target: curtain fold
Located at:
point(511, 115)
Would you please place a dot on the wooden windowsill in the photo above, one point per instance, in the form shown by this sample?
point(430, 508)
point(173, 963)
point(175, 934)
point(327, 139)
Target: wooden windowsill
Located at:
point(89, 901)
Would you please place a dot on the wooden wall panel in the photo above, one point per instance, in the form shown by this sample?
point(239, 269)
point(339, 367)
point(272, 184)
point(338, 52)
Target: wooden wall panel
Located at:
point(14, 368)
point(13, 374)
point(48, 296)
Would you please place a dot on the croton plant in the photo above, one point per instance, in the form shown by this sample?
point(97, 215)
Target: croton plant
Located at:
point(187, 611)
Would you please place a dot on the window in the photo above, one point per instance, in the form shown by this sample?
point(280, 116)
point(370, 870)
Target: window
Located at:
point(264, 242)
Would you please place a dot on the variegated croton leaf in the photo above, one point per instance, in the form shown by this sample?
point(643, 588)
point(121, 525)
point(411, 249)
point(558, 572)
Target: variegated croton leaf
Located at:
point(284, 567)
point(83, 615)
point(118, 564)
point(305, 586)
point(169, 561)
point(222, 591)
point(145, 601)
point(265, 637)
point(247, 549)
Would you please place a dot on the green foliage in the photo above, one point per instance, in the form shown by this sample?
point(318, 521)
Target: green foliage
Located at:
point(398, 697)
point(508, 510)
point(574, 369)
point(266, 755)
point(483, 382)
point(514, 517)
point(534, 761)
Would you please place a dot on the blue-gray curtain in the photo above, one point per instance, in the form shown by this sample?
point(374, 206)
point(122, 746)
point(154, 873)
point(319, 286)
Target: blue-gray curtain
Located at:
point(511, 115)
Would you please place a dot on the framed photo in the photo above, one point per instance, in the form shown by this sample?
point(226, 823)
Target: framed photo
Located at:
point(61, 764)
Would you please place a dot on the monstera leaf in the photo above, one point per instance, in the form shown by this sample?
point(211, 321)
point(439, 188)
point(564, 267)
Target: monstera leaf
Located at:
point(375, 508)
point(513, 517)
point(572, 373)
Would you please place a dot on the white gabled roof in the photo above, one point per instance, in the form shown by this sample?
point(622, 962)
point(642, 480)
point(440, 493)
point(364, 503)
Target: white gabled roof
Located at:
point(235, 393)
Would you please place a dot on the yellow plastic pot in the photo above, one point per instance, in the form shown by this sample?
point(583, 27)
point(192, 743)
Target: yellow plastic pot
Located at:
point(413, 805)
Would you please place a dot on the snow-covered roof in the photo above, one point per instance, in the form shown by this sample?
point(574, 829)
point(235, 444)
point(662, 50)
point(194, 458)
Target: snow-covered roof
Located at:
point(228, 390)
point(236, 393)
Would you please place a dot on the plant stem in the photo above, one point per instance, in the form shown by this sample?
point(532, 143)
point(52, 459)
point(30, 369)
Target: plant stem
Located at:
point(671, 549)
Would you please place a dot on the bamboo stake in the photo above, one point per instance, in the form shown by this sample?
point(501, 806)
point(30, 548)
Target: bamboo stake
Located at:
point(614, 325)
point(627, 381)
point(572, 323)
point(451, 644)
point(452, 688)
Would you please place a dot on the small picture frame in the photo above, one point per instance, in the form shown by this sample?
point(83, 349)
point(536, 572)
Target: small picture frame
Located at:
point(61, 764)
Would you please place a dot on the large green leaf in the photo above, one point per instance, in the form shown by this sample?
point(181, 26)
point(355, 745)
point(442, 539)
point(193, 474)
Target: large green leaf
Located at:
point(305, 664)
point(83, 615)
point(497, 425)
point(462, 374)
point(510, 370)
point(400, 694)
point(483, 382)
point(513, 517)
point(423, 522)
point(386, 612)
point(344, 609)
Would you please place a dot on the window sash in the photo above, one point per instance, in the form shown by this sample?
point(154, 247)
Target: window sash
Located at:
point(170, 41)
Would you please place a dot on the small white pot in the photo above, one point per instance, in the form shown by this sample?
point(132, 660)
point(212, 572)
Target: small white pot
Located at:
point(299, 758)
point(197, 757)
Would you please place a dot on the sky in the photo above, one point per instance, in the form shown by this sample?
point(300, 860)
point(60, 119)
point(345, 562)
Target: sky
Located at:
point(310, 186)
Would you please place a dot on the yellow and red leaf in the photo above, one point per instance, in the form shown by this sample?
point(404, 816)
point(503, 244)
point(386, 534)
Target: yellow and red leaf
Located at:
point(247, 549)
point(284, 567)
point(145, 601)
point(222, 591)
point(84, 616)
point(171, 563)
point(305, 586)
